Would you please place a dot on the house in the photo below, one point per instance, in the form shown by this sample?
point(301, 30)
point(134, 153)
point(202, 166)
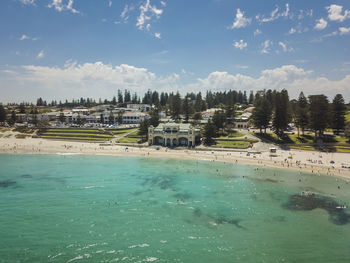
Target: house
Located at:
point(242, 121)
point(173, 134)
point(141, 107)
point(134, 117)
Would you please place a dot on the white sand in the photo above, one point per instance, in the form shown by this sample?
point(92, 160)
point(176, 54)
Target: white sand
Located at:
point(42, 146)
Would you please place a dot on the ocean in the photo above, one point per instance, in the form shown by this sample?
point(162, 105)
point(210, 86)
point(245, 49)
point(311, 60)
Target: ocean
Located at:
point(81, 208)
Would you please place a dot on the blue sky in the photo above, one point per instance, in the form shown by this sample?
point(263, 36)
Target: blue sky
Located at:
point(61, 49)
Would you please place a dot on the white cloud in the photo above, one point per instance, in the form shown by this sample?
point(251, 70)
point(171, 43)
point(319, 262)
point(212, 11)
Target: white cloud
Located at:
point(102, 80)
point(59, 6)
point(285, 48)
point(257, 32)
point(124, 16)
point(163, 3)
point(88, 79)
point(240, 20)
point(28, 2)
point(110, 3)
point(41, 54)
point(26, 37)
point(321, 24)
point(157, 35)
point(335, 13)
point(292, 31)
point(242, 66)
point(288, 77)
point(303, 13)
point(274, 15)
point(344, 30)
point(240, 44)
point(147, 12)
point(266, 46)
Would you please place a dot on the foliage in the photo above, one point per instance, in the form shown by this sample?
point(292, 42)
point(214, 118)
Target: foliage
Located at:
point(209, 133)
point(347, 130)
point(2, 113)
point(301, 114)
point(262, 113)
point(282, 115)
point(219, 119)
point(319, 109)
point(338, 113)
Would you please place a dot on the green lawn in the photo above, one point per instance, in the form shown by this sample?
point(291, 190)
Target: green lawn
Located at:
point(238, 144)
point(235, 134)
point(134, 133)
point(121, 131)
point(73, 130)
point(129, 140)
point(347, 116)
point(74, 138)
point(77, 134)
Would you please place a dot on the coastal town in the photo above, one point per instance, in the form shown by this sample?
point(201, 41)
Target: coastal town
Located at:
point(236, 126)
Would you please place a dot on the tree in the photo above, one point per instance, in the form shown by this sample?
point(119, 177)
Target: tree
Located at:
point(219, 119)
point(175, 107)
point(34, 119)
point(262, 113)
point(301, 113)
point(347, 130)
point(338, 113)
point(80, 121)
point(22, 108)
point(120, 97)
point(40, 102)
point(13, 118)
point(114, 100)
point(62, 118)
point(127, 96)
point(318, 114)
point(251, 97)
point(120, 117)
point(2, 113)
point(144, 128)
point(111, 118)
point(198, 103)
point(154, 120)
point(186, 109)
point(281, 117)
point(209, 132)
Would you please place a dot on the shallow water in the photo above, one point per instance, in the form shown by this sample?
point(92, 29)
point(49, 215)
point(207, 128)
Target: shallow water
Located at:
point(58, 208)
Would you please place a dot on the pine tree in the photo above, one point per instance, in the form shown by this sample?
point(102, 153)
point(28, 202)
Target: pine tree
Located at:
point(301, 115)
point(175, 106)
point(120, 97)
point(338, 113)
point(319, 108)
point(198, 103)
point(209, 132)
point(281, 117)
point(186, 109)
point(262, 113)
point(2, 113)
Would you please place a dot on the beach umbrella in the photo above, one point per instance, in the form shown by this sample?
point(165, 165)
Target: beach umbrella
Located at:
point(332, 161)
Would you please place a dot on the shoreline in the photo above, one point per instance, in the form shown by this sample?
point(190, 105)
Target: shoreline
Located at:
point(300, 161)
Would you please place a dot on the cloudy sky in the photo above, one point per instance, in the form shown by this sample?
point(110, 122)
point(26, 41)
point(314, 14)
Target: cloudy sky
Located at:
point(60, 49)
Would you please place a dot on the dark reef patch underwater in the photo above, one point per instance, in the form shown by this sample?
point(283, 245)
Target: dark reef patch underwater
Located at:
point(308, 202)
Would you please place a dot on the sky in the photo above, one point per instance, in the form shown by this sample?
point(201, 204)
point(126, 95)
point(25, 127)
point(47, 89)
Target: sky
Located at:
point(64, 49)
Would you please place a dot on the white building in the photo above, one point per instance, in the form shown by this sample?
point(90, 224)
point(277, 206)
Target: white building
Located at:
point(173, 134)
point(134, 117)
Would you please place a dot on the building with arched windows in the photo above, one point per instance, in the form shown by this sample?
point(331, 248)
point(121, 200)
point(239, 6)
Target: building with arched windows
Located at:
point(174, 134)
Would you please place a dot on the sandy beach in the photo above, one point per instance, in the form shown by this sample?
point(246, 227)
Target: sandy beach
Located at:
point(303, 161)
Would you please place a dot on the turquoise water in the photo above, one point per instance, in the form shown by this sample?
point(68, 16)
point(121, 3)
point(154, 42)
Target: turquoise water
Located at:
point(112, 209)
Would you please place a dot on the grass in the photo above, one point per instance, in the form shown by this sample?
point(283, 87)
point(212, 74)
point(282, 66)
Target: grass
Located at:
point(74, 138)
point(235, 134)
point(121, 131)
point(23, 129)
point(21, 136)
point(72, 130)
point(134, 133)
point(238, 144)
point(129, 140)
point(347, 116)
point(77, 134)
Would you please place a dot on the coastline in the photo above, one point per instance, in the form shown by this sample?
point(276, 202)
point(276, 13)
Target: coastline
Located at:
point(300, 159)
